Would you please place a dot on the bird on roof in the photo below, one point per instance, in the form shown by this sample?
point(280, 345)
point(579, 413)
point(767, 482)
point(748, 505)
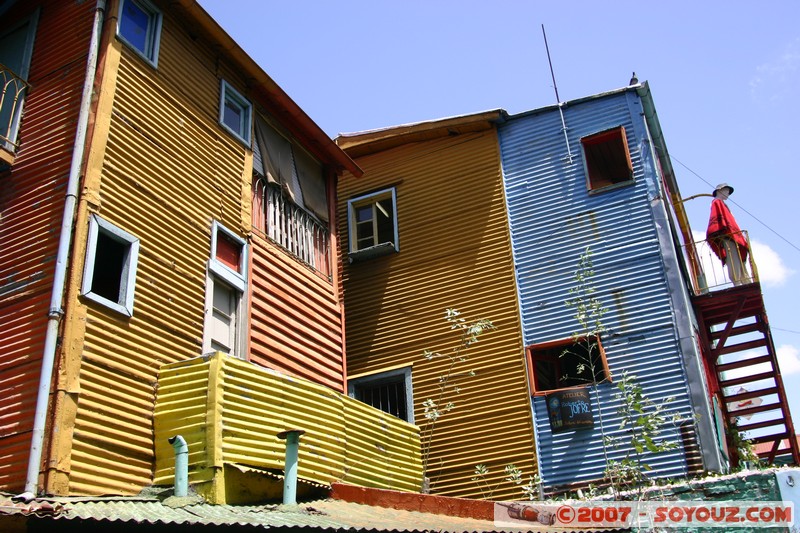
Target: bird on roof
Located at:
point(634, 79)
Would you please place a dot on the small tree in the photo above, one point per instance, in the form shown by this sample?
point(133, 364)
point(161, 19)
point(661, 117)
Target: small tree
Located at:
point(469, 331)
point(589, 312)
point(643, 420)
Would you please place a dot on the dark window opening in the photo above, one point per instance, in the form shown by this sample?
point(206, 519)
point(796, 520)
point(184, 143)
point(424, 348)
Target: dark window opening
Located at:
point(389, 397)
point(388, 391)
point(110, 260)
point(607, 158)
point(569, 363)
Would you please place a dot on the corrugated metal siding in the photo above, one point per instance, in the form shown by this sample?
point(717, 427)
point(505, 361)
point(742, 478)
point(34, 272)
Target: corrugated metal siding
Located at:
point(553, 219)
point(454, 252)
point(169, 170)
point(296, 321)
point(31, 203)
point(230, 412)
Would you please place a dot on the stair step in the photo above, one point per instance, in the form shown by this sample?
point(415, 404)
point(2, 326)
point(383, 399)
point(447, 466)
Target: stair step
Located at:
point(762, 424)
point(741, 347)
point(722, 367)
point(770, 438)
point(738, 397)
point(747, 379)
point(740, 330)
point(763, 408)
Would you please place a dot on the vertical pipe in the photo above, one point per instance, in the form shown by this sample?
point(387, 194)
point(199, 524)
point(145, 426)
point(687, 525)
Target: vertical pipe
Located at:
point(181, 465)
point(292, 438)
point(62, 257)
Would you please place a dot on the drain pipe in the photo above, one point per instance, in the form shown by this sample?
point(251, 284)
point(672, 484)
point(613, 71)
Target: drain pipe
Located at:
point(56, 310)
point(181, 465)
point(292, 437)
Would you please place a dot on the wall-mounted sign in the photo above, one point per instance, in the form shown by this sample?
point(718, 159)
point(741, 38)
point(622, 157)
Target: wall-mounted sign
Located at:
point(570, 409)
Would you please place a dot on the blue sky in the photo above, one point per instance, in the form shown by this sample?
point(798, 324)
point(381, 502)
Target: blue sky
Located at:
point(724, 77)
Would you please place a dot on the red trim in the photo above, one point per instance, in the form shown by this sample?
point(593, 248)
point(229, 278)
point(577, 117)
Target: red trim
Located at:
point(412, 501)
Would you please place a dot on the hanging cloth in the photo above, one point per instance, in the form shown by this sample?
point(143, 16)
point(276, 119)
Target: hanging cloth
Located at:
point(721, 224)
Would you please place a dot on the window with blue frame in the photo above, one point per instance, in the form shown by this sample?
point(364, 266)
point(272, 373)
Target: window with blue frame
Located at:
point(235, 112)
point(139, 26)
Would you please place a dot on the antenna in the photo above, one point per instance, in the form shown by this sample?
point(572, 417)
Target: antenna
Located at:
point(558, 100)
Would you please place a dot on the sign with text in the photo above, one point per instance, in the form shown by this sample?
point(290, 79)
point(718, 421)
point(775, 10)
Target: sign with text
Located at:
point(570, 409)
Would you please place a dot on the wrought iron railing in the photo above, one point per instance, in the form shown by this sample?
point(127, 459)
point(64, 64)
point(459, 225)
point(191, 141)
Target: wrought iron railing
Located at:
point(291, 227)
point(711, 272)
point(11, 99)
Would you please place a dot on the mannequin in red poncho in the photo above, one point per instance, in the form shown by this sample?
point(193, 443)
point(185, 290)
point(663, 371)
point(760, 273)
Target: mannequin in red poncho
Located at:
point(724, 236)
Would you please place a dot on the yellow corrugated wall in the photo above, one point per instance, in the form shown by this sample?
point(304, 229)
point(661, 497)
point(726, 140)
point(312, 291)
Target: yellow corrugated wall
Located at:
point(230, 412)
point(455, 252)
point(168, 169)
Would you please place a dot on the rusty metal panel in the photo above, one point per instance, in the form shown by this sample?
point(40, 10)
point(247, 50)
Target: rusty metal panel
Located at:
point(454, 253)
point(31, 201)
point(230, 412)
point(553, 219)
point(296, 322)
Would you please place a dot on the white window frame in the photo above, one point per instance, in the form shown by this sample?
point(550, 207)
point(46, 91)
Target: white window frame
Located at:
point(153, 38)
point(13, 132)
point(124, 303)
point(377, 248)
point(404, 372)
point(219, 272)
point(228, 94)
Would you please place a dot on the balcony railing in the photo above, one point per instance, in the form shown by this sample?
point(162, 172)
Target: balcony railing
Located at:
point(711, 273)
point(291, 227)
point(11, 99)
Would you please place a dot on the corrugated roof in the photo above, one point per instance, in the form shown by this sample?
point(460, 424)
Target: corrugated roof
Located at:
point(322, 515)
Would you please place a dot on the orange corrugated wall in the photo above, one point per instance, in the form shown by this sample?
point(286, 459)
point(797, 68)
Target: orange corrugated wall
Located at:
point(31, 205)
point(455, 251)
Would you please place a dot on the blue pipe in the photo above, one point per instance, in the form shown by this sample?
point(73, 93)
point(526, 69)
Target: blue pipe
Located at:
point(181, 465)
point(292, 437)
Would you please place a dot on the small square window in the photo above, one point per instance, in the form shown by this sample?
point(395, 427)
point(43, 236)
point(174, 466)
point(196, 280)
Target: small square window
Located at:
point(567, 363)
point(391, 392)
point(373, 224)
point(235, 112)
point(607, 159)
point(139, 26)
point(109, 275)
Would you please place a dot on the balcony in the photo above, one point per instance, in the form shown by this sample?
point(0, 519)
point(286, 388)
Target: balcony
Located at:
point(708, 271)
point(230, 412)
point(11, 100)
point(291, 227)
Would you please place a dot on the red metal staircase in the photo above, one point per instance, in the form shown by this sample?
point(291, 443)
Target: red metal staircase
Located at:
point(742, 369)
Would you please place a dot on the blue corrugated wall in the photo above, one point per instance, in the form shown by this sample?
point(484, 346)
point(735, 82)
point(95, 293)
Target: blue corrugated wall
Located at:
point(553, 219)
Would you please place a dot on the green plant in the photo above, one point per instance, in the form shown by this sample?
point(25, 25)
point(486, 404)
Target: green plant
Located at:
point(642, 420)
point(589, 312)
point(469, 331)
point(744, 449)
point(513, 475)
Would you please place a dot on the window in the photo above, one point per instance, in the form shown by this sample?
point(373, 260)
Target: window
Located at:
point(389, 391)
point(235, 112)
point(373, 224)
point(290, 197)
point(567, 363)
point(139, 26)
point(109, 274)
point(226, 286)
point(16, 48)
point(607, 159)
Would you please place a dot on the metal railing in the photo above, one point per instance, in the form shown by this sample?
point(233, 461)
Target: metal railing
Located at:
point(11, 99)
point(291, 227)
point(711, 272)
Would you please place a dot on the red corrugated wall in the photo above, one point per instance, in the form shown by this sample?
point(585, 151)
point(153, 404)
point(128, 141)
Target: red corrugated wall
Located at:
point(31, 205)
point(296, 322)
